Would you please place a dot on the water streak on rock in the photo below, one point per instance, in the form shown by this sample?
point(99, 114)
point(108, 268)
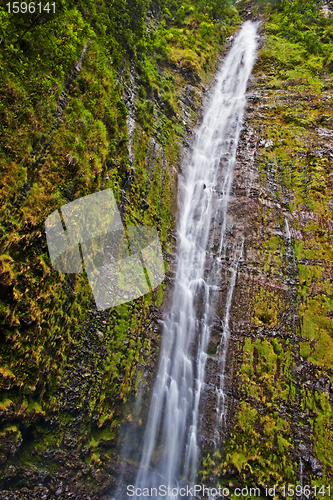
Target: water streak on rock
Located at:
point(222, 350)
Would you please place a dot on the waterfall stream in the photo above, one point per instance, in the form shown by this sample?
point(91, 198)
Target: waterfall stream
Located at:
point(170, 451)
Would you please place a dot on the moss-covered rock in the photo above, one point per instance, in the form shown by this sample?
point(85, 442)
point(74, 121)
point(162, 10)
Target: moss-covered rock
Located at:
point(278, 385)
point(94, 96)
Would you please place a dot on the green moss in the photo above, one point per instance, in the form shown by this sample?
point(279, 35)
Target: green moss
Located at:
point(265, 308)
point(290, 296)
point(160, 294)
point(49, 323)
point(257, 449)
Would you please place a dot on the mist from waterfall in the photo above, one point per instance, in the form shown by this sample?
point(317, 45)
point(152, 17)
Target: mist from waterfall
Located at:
point(170, 452)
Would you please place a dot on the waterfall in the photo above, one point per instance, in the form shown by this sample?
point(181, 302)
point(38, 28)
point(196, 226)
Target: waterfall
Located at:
point(170, 452)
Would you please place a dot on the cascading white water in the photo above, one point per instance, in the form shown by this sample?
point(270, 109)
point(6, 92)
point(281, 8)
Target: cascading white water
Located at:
point(171, 445)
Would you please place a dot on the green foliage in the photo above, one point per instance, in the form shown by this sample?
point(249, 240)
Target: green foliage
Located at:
point(178, 10)
point(49, 326)
point(257, 449)
point(302, 21)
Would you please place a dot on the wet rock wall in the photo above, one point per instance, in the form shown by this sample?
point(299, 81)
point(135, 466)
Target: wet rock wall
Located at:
point(279, 374)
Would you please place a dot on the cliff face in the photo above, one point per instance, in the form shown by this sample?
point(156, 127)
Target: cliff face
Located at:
point(88, 106)
point(93, 97)
point(279, 371)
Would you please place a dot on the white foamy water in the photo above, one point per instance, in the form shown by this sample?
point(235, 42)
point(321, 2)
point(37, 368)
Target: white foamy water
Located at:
point(170, 452)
